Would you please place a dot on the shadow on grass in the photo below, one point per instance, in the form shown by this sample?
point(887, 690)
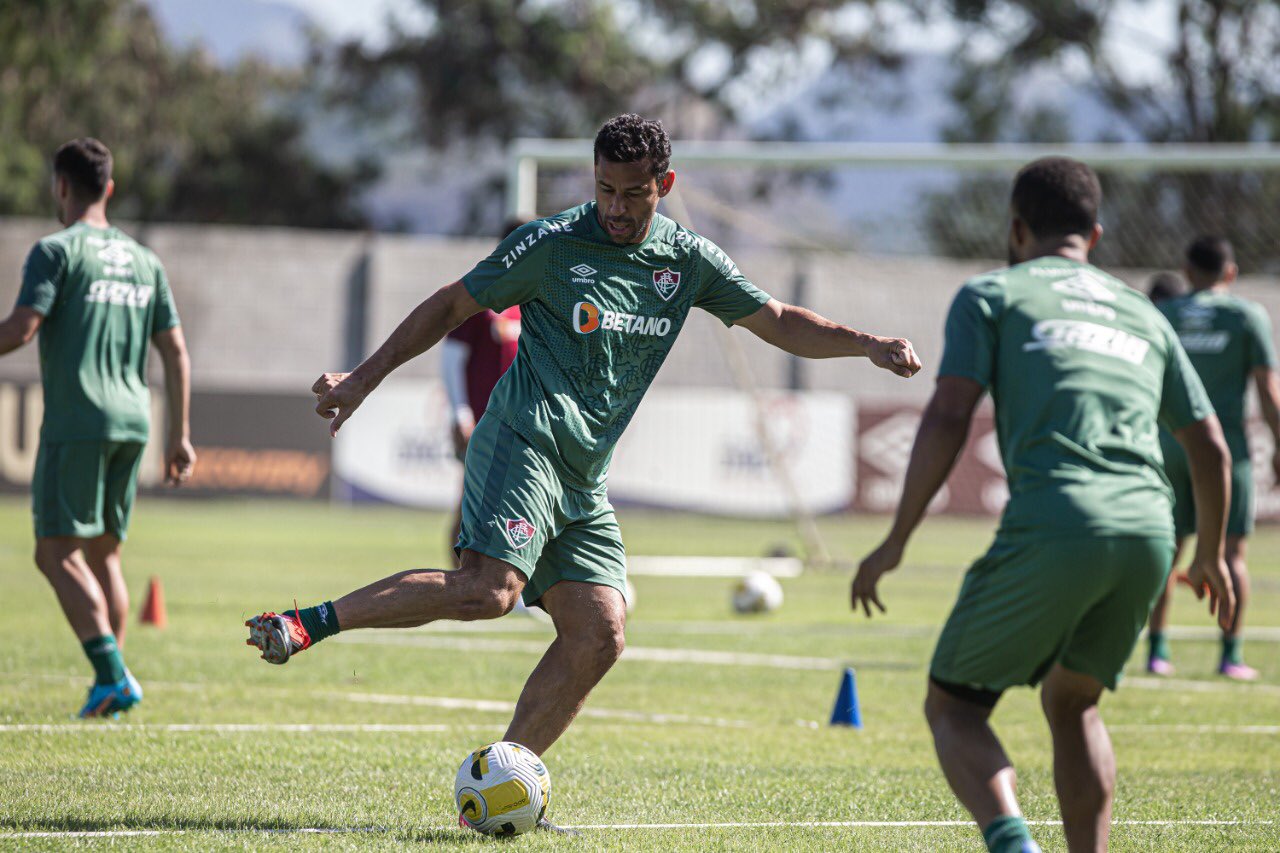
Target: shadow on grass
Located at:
point(165, 826)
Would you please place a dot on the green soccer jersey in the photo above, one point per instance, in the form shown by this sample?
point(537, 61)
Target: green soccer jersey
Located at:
point(1226, 338)
point(1081, 368)
point(102, 296)
point(597, 320)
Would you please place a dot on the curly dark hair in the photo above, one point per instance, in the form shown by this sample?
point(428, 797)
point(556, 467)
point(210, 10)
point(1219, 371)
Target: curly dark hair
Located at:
point(1057, 196)
point(631, 139)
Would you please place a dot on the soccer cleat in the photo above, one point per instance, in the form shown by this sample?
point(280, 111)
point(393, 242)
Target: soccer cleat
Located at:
point(1159, 666)
point(108, 700)
point(278, 636)
point(1237, 671)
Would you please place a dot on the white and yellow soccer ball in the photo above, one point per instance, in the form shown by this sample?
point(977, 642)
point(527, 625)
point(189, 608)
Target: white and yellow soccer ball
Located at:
point(758, 592)
point(502, 789)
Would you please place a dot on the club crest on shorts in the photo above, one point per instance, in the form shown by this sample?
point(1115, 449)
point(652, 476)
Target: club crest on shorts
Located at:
point(666, 282)
point(519, 532)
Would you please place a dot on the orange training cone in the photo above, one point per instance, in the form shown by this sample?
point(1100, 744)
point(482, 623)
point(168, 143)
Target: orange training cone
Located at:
point(153, 612)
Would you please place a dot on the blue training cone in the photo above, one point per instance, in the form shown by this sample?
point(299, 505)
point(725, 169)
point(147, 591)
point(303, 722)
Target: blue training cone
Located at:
point(846, 712)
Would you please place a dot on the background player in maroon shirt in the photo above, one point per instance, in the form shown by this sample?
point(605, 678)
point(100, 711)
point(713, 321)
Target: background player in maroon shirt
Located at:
point(474, 357)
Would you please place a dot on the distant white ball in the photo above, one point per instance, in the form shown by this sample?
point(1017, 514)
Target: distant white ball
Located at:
point(502, 789)
point(758, 592)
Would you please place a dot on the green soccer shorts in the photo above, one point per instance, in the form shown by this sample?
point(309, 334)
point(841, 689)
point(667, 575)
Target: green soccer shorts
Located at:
point(1177, 469)
point(515, 508)
point(1029, 603)
point(85, 488)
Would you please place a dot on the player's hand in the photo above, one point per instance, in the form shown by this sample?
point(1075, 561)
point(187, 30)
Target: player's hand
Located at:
point(883, 559)
point(338, 397)
point(895, 355)
point(179, 461)
point(461, 432)
point(1211, 577)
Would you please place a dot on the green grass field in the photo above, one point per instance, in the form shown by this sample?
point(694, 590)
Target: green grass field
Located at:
point(745, 741)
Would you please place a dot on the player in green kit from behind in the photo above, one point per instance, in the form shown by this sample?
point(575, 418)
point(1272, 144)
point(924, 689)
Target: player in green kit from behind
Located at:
point(98, 301)
point(604, 290)
point(1081, 370)
point(1229, 342)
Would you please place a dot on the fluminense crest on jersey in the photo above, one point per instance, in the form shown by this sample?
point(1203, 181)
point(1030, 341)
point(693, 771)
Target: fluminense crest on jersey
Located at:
point(519, 532)
point(666, 282)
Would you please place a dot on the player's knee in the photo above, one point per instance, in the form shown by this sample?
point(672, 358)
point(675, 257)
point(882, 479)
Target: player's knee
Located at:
point(603, 644)
point(1066, 707)
point(487, 602)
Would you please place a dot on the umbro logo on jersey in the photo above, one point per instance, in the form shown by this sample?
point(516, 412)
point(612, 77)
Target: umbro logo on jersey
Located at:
point(582, 274)
point(666, 282)
point(1085, 285)
point(587, 318)
point(124, 293)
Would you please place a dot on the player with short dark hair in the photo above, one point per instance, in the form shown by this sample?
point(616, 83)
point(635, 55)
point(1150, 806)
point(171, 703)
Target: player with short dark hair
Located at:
point(1229, 342)
point(604, 290)
point(1165, 285)
point(98, 301)
point(1080, 368)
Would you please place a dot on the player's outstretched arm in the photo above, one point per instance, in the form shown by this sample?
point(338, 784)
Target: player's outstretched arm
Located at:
point(19, 328)
point(802, 332)
point(943, 430)
point(1210, 464)
point(340, 394)
point(179, 455)
point(1267, 381)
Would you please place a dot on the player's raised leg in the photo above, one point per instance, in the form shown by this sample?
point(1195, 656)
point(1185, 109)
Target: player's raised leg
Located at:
point(483, 588)
point(590, 619)
point(1084, 765)
point(1232, 662)
point(976, 767)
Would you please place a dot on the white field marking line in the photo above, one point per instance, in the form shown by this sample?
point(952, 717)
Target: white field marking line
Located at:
point(876, 824)
point(1192, 728)
point(642, 653)
point(778, 824)
point(714, 567)
point(500, 707)
point(235, 728)
point(1263, 634)
point(1185, 685)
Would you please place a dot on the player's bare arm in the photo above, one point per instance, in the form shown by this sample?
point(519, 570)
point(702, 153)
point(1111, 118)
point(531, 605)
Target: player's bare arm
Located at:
point(1267, 381)
point(943, 430)
point(179, 455)
point(1210, 463)
point(19, 328)
point(340, 394)
point(805, 333)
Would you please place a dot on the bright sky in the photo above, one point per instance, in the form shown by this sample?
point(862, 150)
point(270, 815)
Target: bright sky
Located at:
point(363, 19)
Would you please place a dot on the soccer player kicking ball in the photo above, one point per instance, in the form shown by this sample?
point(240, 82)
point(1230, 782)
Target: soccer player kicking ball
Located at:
point(98, 300)
point(1081, 370)
point(1229, 342)
point(604, 290)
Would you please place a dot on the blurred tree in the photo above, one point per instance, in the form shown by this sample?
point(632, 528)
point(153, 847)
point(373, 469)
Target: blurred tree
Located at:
point(192, 141)
point(1019, 58)
point(482, 72)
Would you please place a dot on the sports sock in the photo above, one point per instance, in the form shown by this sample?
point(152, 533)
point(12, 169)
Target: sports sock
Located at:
point(104, 654)
point(320, 621)
point(1232, 649)
point(1006, 834)
point(1159, 645)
